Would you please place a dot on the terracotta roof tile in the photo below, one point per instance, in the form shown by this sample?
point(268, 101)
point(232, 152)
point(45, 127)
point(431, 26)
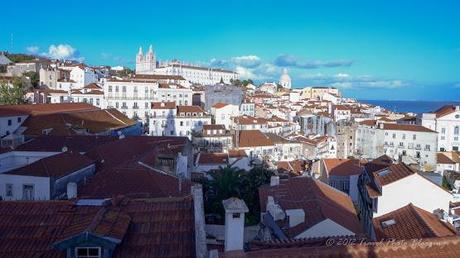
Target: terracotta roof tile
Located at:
point(78, 143)
point(319, 201)
point(441, 247)
point(410, 222)
point(164, 105)
point(55, 166)
point(403, 127)
point(219, 105)
point(159, 227)
point(253, 138)
point(343, 167)
point(392, 173)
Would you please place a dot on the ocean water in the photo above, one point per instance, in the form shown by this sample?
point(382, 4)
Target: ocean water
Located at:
point(410, 105)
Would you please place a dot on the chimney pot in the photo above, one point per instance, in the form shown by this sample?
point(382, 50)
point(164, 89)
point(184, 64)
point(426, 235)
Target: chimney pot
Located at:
point(274, 180)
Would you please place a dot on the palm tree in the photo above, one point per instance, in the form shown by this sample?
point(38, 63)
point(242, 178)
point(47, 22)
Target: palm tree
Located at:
point(229, 182)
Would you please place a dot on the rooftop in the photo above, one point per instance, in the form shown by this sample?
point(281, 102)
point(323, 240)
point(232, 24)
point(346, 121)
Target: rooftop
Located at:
point(55, 166)
point(318, 200)
point(410, 222)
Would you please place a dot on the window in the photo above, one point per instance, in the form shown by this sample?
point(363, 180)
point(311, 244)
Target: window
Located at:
point(414, 137)
point(9, 190)
point(19, 119)
point(9, 122)
point(110, 88)
point(88, 252)
point(456, 130)
point(394, 136)
point(28, 192)
point(443, 130)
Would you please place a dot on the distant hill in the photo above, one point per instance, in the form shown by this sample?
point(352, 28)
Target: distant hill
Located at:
point(17, 58)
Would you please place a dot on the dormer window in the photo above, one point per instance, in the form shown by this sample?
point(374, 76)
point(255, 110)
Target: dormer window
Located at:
point(87, 252)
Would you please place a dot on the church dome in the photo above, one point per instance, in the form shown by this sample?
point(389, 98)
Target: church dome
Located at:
point(285, 79)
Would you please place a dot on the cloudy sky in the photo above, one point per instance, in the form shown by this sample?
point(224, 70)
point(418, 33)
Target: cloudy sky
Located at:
point(369, 49)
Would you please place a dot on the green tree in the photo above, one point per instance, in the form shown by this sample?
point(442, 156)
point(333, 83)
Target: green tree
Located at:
point(16, 58)
point(445, 184)
point(229, 182)
point(12, 94)
point(33, 77)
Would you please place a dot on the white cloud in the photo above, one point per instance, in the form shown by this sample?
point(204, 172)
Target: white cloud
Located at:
point(347, 81)
point(62, 51)
point(32, 49)
point(250, 61)
point(244, 72)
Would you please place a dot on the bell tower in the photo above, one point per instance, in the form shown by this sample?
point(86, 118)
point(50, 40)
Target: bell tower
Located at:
point(140, 61)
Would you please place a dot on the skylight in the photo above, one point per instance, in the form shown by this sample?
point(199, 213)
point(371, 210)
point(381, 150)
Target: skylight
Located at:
point(384, 172)
point(388, 223)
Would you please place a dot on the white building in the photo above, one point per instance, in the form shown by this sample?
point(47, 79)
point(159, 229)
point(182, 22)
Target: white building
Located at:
point(256, 144)
point(46, 178)
point(288, 217)
point(445, 121)
point(411, 144)
point(200, 75)
point(146, 64)
point(133, 96)
point(223, 113)
point(197, 74)
point(180, 121)
point(11, 120)
point(396, 186)
point(341, 112)
point(80, 76)
point(285, 79)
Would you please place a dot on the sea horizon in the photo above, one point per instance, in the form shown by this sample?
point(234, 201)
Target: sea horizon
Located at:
point(414, 106)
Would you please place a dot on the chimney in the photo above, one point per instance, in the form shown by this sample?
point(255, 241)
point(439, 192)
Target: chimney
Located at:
point(234, 223)
point(71, 190)
point(274, 180)
point(457, 108)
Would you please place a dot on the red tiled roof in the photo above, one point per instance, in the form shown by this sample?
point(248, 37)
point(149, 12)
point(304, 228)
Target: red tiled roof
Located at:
point(392, 174)
point(77, 143)
point(164, 105)
point(93, 86)
point(249, 120)
point(451, 157)
point(444, 111)
point(294, 166)
point(34, 109)
point(411, 222)
point(213, 127)
point(219, 105)
point(68, 123)
point(161, 227)
point(135, 181)
point(343, 167)
point(253, 138)
point(319, 201)
point(55, 166)
point(368, 122)
point(440, 247)
point(379, 163)
point(132, 149)
point(403, 127)
point(213, 158)
point(189, 109)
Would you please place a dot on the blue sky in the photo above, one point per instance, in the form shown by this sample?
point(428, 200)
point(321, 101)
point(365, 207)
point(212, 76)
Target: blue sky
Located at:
point(369, 49)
